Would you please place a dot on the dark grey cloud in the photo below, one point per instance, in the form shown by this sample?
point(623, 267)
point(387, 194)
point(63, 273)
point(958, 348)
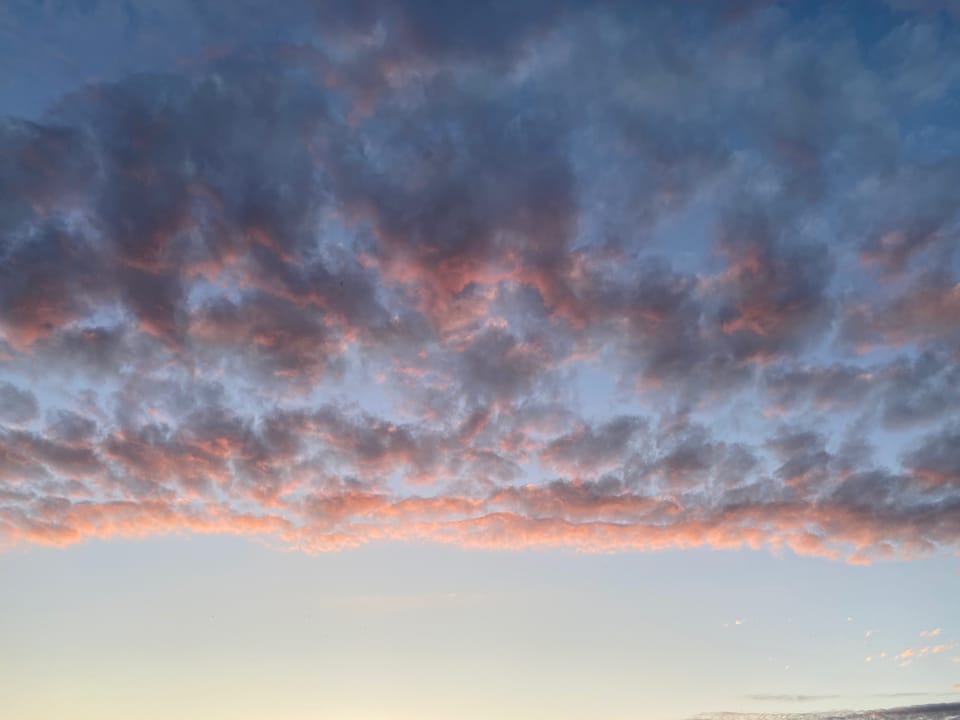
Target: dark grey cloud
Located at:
point(17, 406)
point(775, 291)
point(926, 389)
point(937, 458)
point(589, 448)
point(908, 218)
point(925, 313)
point(942, 711)
point(70, 427)
point(804, 457)
point(446, 30)
point(837, 387)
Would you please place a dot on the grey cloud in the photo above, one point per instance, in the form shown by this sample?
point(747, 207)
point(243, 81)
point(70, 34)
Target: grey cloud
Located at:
point(841, 387)
point(925, 313)
point(70, 427)
point(937, 458)
point(922, 390)
point(493, 31)
point(776, 291)
point(804, 457)
point(589, 448)
point(17, 406)
point(943, 711)
point(907, 215)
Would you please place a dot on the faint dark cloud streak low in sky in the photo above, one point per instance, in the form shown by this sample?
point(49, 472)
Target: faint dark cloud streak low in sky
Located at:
point(940, 711)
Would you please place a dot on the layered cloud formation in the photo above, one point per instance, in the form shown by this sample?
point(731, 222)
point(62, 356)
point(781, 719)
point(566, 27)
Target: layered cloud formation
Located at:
point(940, 711)
point(606, 276)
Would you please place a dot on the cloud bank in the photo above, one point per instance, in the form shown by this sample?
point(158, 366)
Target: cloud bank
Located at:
point(604, 276)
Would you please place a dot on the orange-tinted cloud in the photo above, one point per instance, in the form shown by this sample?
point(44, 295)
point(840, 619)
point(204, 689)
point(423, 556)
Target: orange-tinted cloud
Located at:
point(465, 276)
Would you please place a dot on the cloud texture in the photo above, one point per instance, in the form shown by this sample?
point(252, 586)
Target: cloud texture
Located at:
point(607, 276)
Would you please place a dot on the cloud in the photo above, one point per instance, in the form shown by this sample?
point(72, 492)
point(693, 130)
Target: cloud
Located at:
point(577, 275)
point(776, 294)
point(920, 391)
point(792, 698)
point(922, 6)
point(944, 711)
point(589, 449)
point(924, 313)
point(829, 388)
point(937, 459)
point(17, 406)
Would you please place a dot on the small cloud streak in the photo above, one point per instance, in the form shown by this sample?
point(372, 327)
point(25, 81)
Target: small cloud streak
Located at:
point(943, 711)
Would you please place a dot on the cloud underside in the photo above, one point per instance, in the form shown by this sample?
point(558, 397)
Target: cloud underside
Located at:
point(550, 275)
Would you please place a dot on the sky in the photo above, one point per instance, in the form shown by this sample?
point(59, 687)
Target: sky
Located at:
point(375, 360)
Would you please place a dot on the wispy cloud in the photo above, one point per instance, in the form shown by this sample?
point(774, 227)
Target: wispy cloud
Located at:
point(944, 711)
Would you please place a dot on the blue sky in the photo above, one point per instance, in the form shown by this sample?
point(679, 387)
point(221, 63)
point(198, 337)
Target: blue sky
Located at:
point(538, 359)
